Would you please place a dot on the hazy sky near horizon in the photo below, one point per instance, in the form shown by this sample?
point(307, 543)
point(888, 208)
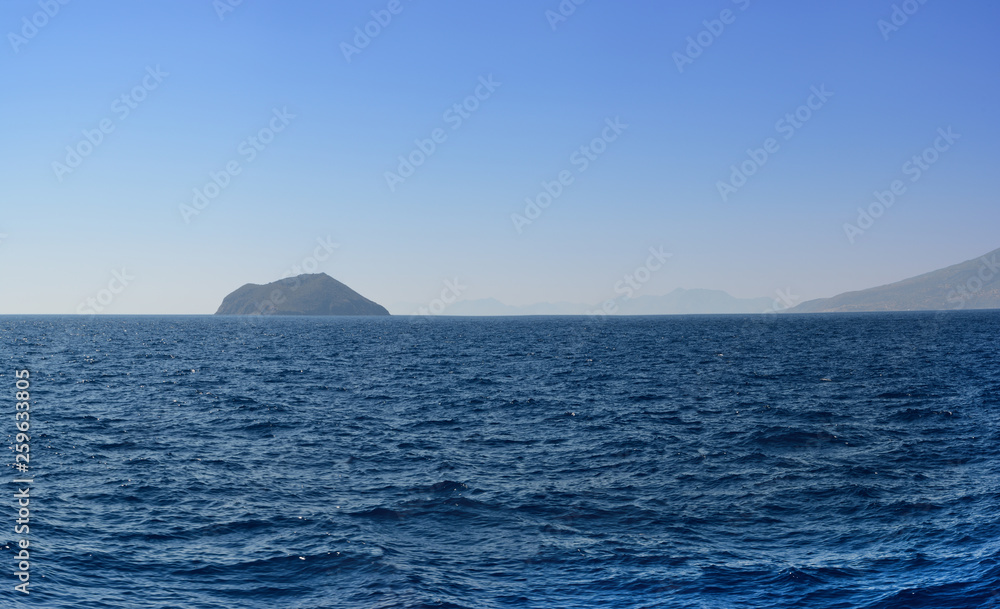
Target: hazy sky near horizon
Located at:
point(118, 112)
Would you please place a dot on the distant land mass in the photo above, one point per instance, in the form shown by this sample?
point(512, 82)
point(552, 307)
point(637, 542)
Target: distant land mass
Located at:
point(678, 302)
point(316, 294)
point(970, 285)
point(694, 302)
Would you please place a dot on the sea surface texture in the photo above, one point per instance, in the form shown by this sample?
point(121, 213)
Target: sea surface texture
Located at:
point(698, 462)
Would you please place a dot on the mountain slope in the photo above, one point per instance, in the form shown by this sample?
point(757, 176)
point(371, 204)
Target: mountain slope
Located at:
point(317, 294)
point(974, 284)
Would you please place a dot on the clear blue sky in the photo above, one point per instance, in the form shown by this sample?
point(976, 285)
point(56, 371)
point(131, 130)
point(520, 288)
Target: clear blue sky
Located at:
point(324, 174)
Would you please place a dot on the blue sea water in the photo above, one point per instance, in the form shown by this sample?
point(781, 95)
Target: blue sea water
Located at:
point(722, 461)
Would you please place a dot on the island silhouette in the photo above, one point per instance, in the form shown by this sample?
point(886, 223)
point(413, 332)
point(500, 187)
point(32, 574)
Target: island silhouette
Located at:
point(313, 294)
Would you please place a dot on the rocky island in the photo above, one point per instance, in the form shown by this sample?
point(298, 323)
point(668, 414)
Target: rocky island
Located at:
point(315, 294)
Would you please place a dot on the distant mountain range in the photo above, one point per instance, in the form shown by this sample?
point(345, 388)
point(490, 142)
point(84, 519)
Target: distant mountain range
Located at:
point(974, 284)
point(693, 302)
point(316, 294)
point(678, 302)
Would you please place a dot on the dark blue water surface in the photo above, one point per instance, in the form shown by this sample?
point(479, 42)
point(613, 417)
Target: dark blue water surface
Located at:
point(792, 461)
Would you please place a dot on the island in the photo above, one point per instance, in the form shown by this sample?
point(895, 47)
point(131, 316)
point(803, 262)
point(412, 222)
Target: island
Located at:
point(972, 284)
point(313, 294)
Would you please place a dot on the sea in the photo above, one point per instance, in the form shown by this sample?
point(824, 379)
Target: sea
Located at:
point(820, 461)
